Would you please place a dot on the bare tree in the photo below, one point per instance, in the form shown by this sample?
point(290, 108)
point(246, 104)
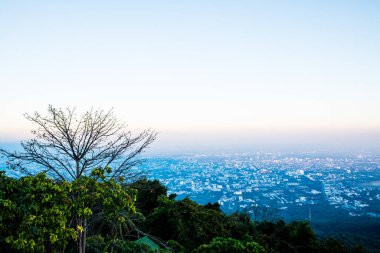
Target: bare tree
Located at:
point(67, 147)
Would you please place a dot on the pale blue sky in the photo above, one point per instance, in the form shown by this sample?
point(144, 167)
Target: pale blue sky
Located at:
point(190, 67)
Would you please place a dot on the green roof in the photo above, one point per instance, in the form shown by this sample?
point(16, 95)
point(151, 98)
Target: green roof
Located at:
point(147, 241)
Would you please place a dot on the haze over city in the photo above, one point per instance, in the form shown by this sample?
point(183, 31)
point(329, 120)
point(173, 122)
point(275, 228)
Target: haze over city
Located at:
point(205, 74)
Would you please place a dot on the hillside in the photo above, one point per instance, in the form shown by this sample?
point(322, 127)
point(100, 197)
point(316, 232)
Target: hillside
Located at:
point(36, 214)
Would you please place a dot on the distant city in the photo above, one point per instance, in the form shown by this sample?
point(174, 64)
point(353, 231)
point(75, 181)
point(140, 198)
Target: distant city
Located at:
point(293, 186)
point(298, 186)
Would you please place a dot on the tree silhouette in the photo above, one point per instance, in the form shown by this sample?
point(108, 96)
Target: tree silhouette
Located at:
point(67, 147)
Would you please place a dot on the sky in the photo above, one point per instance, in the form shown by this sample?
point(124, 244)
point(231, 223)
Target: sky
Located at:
point(201, 73)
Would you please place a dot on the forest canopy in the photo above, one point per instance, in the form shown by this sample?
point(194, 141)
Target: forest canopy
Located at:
point(36, 214)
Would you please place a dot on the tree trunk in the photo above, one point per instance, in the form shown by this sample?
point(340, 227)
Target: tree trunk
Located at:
point(81, 222)
point(81, 246)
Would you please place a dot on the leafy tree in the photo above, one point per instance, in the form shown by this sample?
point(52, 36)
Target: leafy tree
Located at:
point(215, 206)
point(241, 225)
point(296, 236)
point(97, 244)
point(229, 245)
point(176, 246)
point(101, 199)
point(148, 193)
point(34, 214)
point(333, 245)
point(68, 147)
point(186, 222)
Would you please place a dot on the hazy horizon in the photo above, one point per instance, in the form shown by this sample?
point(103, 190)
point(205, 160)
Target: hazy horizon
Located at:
point(244, 74)
point(269, 141)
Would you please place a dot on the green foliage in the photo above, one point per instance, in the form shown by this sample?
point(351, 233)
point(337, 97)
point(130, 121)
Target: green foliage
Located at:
point(148, 193)
point(95, 194)
point(333, 245)
point(215, 206)
point(292, 237)
point(97, 244)
point(191, 225)
point(34, 214)
point(241, 225)
point(106, 205)
point(175, 246)
point(187, 222)
point(229, 245)
point(38, 214)
point(121, 246)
